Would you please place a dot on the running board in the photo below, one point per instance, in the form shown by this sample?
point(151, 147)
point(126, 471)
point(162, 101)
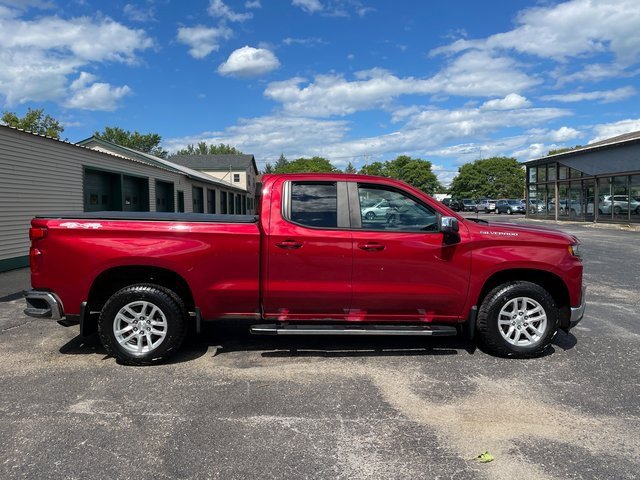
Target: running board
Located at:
point(425, 330)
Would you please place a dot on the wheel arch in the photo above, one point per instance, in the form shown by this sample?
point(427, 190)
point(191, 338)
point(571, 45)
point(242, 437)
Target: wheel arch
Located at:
point(551, 282)
point(116, 278)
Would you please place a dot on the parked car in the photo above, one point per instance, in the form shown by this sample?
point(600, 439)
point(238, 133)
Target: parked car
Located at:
point(509, 206)
point(620, 204)
point(307, 264)
point(468, 205)
point(453, 204)
point(536, 206)
point(379, 210)
point(485, 205)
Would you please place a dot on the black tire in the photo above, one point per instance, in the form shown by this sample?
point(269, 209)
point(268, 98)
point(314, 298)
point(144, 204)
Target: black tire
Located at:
point(488, 329)
point(638, 210)
point(370, 215)
point(170, 315)
point(617, 210)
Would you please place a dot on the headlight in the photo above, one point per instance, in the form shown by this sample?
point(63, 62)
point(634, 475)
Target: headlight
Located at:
point(575, 250)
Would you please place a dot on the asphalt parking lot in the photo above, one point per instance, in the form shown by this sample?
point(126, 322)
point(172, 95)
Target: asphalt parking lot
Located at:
point(232, 405)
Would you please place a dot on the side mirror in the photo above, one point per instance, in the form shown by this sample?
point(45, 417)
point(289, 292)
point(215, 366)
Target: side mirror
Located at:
point(449, 225)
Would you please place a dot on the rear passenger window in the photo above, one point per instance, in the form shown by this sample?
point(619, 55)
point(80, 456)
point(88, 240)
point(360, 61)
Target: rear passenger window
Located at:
point(314, 204)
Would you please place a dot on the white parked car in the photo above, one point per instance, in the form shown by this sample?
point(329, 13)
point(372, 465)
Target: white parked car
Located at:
point(620, 204)
point(379, 210)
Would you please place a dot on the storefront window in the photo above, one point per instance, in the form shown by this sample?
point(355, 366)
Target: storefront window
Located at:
point(620, 199)
point(604, 196)
point(563, 173)
point(542, 174)
point(532, 174)
point(551, 172)
point(563, 195)
point(575, 173)
point(533, 200)
point(634, 192)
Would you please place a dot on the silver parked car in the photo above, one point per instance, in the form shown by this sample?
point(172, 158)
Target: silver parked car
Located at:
point(509, 206)
point(485, 205)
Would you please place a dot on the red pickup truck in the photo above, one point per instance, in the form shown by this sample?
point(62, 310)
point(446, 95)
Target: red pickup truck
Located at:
point(313, 263)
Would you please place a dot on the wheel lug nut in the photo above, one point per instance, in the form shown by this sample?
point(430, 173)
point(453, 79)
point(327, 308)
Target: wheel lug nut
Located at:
point(148, 321)
point(135, 329)
point(135, 322)
point(526, 324)
point(148, 329)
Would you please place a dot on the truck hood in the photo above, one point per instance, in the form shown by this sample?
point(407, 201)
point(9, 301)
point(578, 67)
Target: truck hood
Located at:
point(522, 232)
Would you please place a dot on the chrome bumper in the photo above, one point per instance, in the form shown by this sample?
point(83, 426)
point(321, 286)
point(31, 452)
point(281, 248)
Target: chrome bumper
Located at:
point(578, 312)
point(41, 304)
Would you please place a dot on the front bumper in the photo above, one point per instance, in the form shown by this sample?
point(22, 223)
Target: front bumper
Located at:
point(43, 304)
point(578, 312)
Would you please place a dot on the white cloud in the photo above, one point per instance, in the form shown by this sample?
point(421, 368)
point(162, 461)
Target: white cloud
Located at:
point(602, 96)
point(218, 9)
point(608, 130)
point(203, 40)
point(270, 136)
point(473, 74)
point(137, 13)
point(252, 4)
point(312, 41)
point(569, 29)
point(510, 102)
point(309, 6)
point(96, 96)
point(39, 56)
point(249, 62)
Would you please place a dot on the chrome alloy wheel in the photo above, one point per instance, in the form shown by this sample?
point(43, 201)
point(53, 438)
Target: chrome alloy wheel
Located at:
point(522, 321)
point(140, 327)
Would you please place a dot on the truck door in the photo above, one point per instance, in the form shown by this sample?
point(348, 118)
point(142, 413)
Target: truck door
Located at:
point(402, 269)
point(309, 248)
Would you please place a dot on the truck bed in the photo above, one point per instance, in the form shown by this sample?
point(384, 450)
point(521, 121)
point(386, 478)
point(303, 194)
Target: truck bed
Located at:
point(153, 216)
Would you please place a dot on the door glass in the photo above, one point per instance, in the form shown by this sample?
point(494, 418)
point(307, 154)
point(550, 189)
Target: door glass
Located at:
point(314, 204)
point(588, 199)
point(385, 209)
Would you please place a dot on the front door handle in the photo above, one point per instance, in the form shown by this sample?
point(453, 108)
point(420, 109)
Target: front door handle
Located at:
point(371, 246)
point(289, 244)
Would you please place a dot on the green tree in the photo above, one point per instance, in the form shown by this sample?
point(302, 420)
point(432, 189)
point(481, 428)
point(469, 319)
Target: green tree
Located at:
point(350, 168)
point(315, 164)
point(494, 177)
point(268, 168)
point(202, 148)
point(562, 150)
point(414, 171)
point(281, 164)
point(376, 168)
point(34, 121)
point(146, 143)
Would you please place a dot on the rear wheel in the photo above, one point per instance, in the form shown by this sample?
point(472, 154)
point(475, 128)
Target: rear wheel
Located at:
point(142, 324)
point(370, 215)
point(517, 319)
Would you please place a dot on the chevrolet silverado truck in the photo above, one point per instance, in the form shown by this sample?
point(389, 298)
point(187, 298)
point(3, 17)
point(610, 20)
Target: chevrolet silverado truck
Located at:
point(312, 262)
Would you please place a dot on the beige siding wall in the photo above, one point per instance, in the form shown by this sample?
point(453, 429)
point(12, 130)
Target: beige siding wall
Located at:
point(228, 177)
point(40, 176)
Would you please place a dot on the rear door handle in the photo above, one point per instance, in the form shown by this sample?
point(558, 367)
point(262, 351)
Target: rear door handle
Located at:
point(371, 246)
point(289, 244)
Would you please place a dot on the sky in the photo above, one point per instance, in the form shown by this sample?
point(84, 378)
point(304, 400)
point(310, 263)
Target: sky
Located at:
point(349, 80)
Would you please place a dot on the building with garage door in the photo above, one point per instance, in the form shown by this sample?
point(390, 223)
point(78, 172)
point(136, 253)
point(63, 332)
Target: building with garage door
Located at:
point(596, 183)
point(42, 175)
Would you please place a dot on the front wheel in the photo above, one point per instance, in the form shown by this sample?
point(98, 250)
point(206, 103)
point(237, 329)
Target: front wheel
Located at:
point(370, 216)
point(517, 319)
point(142, 324)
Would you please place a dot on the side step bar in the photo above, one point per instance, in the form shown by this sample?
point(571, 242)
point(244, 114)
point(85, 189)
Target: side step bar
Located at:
point(425, 330)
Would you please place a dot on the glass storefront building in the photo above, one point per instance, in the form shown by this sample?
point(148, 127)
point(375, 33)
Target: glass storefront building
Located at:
point(596, 183)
